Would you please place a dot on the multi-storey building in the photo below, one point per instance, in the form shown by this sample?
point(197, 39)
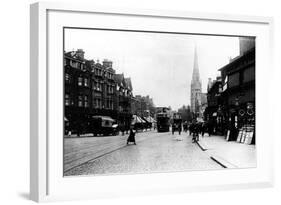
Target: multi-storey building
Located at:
point(231, 98)
point(77, 90)
point(213, 113)
point(124, 97)
point(92, 89)
point(143, 106)
point(238, 82)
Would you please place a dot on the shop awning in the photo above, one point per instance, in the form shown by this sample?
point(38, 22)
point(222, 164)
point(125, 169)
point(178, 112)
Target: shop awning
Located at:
point(137, 119)
point(103, 118)
point(150, 119)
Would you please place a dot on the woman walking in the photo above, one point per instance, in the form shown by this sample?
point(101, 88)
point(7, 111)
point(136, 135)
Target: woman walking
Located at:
point(131, 137)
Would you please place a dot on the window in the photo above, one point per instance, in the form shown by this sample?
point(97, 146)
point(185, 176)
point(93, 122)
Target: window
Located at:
point(99, 86)
point(67, 100)
point(98, 103)
point(74, 64)
point(249, 74)
point(66, 61)
point(86, 101)
point(110, 89)
point(80, 101)
point(67, 78)
point(233, 80)
point(86, 82)
point(80, 81)
point(98, 72)
point(82, 66)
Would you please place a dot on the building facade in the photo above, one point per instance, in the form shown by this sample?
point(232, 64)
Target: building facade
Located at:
point(231, 98)
point(213, 112)
point(143, 106)
point(124, 97)
point(238, 79)
point(93, 89)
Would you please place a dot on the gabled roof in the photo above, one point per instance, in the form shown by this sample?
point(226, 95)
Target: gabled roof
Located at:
point(119, 78)
point(129, 83)
point(73, 55)
point(237, 59)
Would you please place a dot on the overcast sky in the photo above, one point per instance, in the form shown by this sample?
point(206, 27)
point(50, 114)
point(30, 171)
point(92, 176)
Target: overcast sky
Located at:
point(159, 65)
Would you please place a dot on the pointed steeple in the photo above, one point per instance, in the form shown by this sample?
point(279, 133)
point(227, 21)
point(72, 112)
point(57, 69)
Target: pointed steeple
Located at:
point(195, 73)
point(195, 87)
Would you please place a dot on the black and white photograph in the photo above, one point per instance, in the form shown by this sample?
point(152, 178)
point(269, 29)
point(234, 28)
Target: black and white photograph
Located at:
point(142, 102)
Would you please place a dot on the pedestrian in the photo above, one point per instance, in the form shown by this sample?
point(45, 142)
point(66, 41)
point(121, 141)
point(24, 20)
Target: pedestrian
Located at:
point(203, 129)
point(210, 128)
point(179, 127)
point(194, 130)
point(191, 126)
point(197, 131)
point(131, 137)
point(173, 128)
point(185, 126)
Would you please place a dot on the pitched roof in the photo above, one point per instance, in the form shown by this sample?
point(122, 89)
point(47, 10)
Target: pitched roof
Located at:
point(129, 83)
point(119, 78)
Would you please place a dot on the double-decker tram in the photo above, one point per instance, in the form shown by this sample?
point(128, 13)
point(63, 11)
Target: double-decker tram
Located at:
point(163, 121)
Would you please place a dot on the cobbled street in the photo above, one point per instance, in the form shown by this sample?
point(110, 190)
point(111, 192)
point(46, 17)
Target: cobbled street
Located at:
point(154, 152)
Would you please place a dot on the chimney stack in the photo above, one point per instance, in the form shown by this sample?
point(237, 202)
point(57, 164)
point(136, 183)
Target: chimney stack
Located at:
point(80, 53)
point(107, 63)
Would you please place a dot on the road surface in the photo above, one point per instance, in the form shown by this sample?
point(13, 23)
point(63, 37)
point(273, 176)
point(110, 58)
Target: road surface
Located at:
point(154, 152)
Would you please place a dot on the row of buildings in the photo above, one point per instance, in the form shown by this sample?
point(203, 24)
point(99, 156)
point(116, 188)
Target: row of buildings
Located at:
point(95, 89)
point(231, 96)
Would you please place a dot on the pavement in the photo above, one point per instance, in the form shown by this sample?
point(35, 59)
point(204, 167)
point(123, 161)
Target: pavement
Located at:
point(229, 154)
point(154, 152)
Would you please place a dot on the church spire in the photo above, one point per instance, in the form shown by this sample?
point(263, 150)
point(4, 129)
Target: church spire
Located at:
point(196, 90)
point(195, 73)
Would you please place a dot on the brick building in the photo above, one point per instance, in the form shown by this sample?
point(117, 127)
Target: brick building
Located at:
point(231, 99)
point(124, 95)
point(91, 89)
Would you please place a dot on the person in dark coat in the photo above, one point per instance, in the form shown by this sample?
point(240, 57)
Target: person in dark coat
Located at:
point(210, 128)
point(194, 129)
point(203, 129)
point(179, 127)
point(131, 137)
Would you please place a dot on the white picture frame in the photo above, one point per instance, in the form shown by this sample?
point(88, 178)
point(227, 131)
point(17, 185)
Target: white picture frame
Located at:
point(46, 180)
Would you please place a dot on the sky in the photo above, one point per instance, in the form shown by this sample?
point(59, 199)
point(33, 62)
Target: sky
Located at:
point(159, 64)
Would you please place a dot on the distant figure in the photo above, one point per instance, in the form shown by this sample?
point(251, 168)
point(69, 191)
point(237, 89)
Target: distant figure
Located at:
point(210, 128)
point(173, 128)
point(131, 137)
point(185, 126)
point(122, 128)
point(194, 130)
point(203, 128)
point(179, 128)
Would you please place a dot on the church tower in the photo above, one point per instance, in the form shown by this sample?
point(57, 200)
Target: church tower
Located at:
point(196, 88)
